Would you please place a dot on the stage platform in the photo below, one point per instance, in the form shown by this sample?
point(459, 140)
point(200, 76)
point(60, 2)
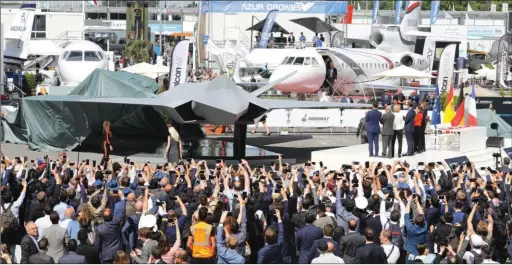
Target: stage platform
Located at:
point(201, 149)
point(334, 158)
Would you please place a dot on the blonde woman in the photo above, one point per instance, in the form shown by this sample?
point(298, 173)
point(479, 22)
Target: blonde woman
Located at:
point(174, 148)
point(107, 146)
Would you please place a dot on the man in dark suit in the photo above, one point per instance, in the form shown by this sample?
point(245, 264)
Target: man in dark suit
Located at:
point(131, 226)
point(373, 128)
point(414, 97)
point(41, 257)
point(28, 244)
point(91, 254)
point(351, 242)
point(409, 128)
point(386, 99)
point(328, 232)
point(331, 76)
point(306, 236)
point(72, 257)
point(108, 235)
point(387, 132)
point(272, 252)
point(361, 129)
point(371, 252)
point(345, 98)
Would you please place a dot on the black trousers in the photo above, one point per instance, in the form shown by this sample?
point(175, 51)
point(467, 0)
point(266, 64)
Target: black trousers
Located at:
point(397, 136)
point(423, 145)
point(417, 139)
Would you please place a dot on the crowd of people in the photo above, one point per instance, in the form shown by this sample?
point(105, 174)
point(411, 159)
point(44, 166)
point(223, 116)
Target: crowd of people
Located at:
point(62, 211)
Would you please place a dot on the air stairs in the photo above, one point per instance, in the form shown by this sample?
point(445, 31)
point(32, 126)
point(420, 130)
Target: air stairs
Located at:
point(60, 40)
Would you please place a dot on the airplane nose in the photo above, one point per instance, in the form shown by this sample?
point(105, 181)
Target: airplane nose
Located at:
point(279, 73)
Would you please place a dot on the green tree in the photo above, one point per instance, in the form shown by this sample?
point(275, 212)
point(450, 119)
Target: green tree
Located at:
point(29, 83)
point(502, 92)
point(139, 50)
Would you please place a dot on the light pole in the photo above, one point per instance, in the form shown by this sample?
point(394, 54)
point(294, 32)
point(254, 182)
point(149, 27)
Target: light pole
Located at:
point(161, 28)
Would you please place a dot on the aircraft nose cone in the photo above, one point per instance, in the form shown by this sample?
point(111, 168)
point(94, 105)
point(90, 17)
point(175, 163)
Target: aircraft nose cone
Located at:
point(279, 73)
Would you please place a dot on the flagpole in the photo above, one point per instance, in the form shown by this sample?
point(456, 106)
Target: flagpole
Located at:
point(161, 29)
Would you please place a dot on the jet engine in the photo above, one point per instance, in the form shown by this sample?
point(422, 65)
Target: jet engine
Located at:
point(384, 38)
point(414, 60)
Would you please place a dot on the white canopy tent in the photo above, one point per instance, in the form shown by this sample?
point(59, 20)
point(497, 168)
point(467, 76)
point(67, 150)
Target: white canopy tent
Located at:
point(404, 72)
point(149, 70)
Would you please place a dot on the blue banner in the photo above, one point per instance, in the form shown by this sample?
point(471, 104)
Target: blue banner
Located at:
point(205, 39)
point(436, 114)
point(375, 11)
point(267, 28)
point(398, 9)
point(318, 7)
point(434, 11)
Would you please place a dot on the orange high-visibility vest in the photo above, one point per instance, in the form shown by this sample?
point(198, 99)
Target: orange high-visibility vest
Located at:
point(201, 247)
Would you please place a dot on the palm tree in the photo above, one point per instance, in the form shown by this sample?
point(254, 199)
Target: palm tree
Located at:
point(139, 50)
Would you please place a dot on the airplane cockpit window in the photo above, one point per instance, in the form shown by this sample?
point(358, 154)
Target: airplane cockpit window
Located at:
point(91, 56)
point(284, 60)
point(290, 60)
point(307, 61)
point(315, 62)
point(298, 61)
point(74, 56)
point(100, 55)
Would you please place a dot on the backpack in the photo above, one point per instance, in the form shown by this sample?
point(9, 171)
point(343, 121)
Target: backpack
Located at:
point(478, 258)
point(8, 222)
point(396, 233)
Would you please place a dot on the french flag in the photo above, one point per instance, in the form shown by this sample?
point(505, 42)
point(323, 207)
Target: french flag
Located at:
point(472, 119)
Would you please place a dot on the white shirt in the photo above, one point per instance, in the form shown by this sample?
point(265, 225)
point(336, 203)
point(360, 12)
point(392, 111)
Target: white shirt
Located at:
point(328, 258)
point(395, 253)
point(399, 122)
point(43, 223)
point(64, 224)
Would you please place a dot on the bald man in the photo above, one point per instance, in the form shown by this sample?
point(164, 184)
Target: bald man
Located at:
point(181, 257)
point(132, 225)
point(108, 235)
point(387, 121)
point(29, 242)
point(70, 224)
point(326, 250)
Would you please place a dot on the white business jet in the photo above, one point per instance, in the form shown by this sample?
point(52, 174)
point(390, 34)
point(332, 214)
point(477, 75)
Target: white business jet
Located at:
point(356, 67)
point(79, 59)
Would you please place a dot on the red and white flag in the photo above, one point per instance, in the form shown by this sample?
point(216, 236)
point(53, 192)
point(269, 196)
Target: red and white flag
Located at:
point(472, 119)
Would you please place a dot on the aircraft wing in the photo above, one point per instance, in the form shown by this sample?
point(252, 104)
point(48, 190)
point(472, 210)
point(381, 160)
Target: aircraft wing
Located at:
point(292, 104)
point(44, 48)
point(440, 36)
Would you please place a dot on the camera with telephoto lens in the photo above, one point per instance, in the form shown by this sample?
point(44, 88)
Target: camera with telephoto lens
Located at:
point(496, 155)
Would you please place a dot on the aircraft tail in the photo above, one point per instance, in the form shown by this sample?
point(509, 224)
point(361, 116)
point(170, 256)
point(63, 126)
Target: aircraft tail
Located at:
point(18, 35)
point(412, 17)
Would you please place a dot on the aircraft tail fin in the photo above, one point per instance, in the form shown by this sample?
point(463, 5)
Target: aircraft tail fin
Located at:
point(412, 17)
point(18, 35)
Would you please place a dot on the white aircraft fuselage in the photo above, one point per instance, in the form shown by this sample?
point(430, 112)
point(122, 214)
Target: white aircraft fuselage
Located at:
point(80, 58)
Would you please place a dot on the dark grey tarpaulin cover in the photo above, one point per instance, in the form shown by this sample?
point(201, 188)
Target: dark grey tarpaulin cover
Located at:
point(314, 24)
point(59, 122)
point(54, 123)
point(275, 28)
